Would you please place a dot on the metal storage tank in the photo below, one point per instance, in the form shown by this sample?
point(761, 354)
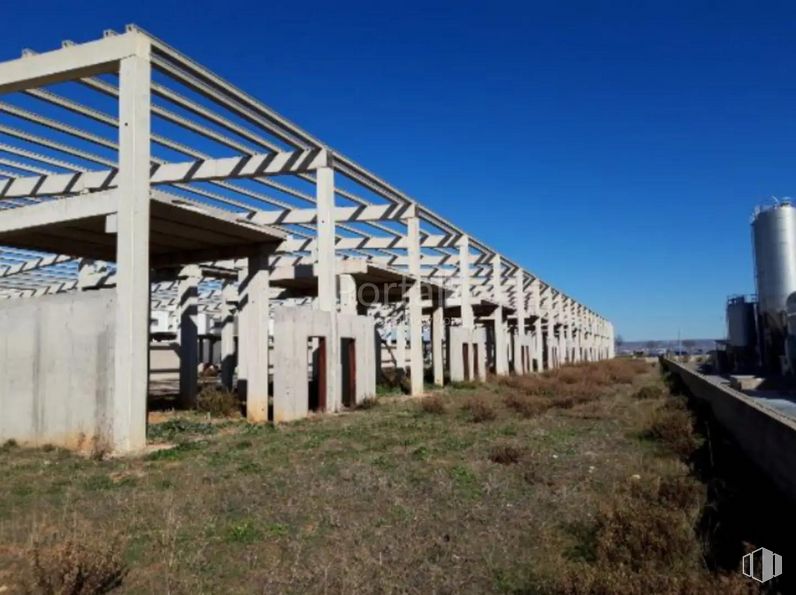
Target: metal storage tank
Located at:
point(774, 238)
point(740, 322)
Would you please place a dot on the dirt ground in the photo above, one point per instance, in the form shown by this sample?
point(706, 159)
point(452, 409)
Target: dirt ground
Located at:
point(565, 483)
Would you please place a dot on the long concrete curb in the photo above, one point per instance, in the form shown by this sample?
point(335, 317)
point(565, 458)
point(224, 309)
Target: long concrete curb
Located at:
point(762, 433)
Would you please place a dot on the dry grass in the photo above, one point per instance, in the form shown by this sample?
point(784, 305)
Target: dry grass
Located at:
point(567, 386)
point(644, 541)
point(390, 500)
point(218, 402)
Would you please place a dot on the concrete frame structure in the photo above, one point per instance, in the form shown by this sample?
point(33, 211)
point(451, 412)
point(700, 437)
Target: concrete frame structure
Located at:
point(196, 197)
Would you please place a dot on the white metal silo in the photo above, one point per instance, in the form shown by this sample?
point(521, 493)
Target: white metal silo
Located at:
point(774, 238)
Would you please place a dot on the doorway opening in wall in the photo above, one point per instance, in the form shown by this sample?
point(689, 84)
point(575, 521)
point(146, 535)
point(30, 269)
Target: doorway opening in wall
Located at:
point(466, 360)
point(348, 359)
point(316, 393)
point(476, 363)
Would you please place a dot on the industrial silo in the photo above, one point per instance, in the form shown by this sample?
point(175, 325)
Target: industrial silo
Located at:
point(742, 339)
point(774, 238)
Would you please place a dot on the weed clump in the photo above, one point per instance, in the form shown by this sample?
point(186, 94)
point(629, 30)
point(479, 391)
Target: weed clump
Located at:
point(75, 567)
point(433, 405)
point(672, 425)
point(526, 406)
point(505, 455)
point(218, 402)
point(480, 410)
point(649, 391)
point(394, 380)
point(367, 403)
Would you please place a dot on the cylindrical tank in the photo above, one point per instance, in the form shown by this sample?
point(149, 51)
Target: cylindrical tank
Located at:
point(774, 238)
point(740, 322)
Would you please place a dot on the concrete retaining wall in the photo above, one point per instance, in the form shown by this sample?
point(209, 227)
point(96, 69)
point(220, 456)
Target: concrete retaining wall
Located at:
point(763, 434)
point(56, 369)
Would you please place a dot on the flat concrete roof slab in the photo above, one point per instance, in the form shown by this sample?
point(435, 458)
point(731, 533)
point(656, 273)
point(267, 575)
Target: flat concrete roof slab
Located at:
point(180, 232)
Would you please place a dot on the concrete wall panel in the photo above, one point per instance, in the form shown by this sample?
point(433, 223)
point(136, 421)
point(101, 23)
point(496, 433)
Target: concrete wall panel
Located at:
point(56, 369)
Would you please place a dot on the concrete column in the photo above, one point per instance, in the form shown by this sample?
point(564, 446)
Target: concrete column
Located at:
point(501, 355)
point(131, 348)
point(437, 334)
point(229, 300)
point(326, 260)
point(536, 308)
point(348, 294)
point(566, 332)
point(400, 341)
point(326, 265)
point(415, 306)
point(519, 305)
point(468, 321)
point(243, 275)
point(188, 291)
point(254, 329)
point(611, 344)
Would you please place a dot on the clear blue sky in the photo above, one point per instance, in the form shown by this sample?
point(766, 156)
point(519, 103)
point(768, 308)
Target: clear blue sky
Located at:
point(620, 147)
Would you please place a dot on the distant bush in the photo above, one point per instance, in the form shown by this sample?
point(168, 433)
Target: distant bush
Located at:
point(218, 402)
point(85, 566)
point(433, 405)
point(673, 426)
point(368, 403)
point(648, 392)
point(480, 409)
point(527, 406)
point(394, 380)
point(505, 455)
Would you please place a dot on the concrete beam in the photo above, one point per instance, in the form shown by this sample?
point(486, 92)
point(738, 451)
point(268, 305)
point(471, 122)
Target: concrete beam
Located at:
point(69, 63)
point(58, 211)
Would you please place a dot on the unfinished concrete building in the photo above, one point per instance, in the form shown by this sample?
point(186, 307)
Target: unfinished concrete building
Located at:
point(143, 196)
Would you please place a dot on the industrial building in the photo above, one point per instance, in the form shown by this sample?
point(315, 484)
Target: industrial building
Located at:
point(761, 328)
point(144, 198)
